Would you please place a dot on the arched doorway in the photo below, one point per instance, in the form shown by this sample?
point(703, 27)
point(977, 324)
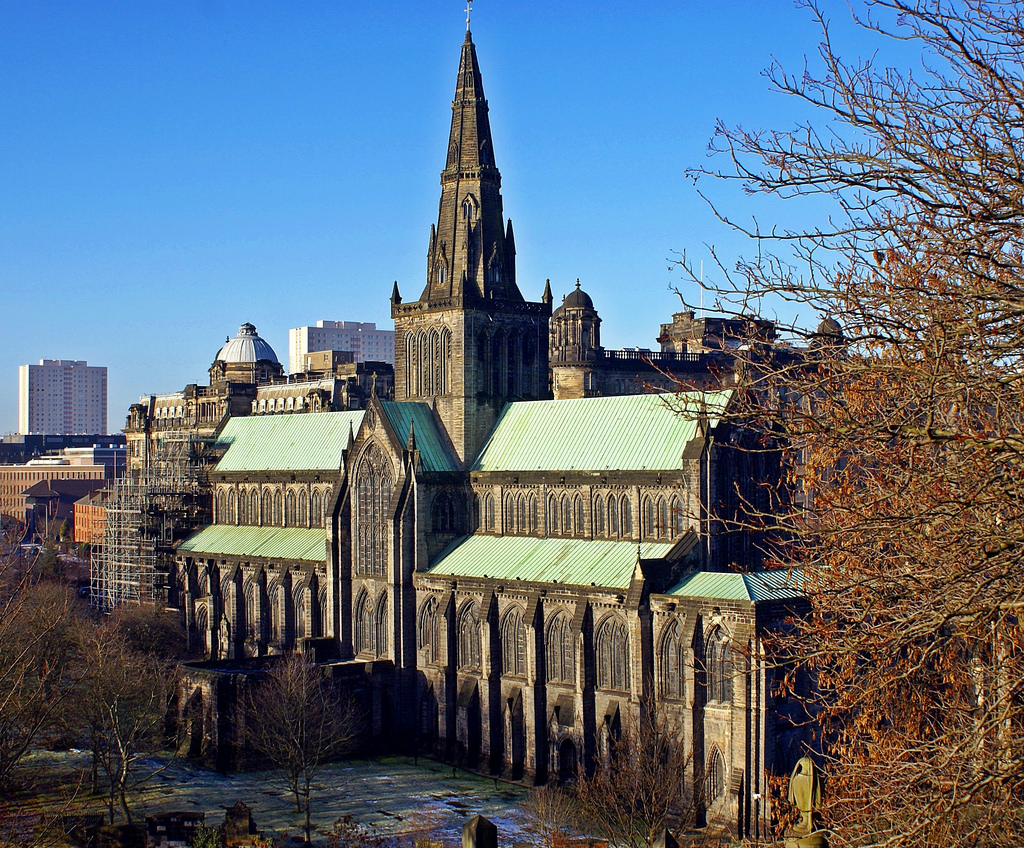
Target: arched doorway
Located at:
point(567, 761)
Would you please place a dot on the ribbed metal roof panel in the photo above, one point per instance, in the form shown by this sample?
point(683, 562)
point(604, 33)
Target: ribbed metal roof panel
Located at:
point(301, 441)
point(275, 543)
point(777, 585)
point(576, 562)
point(630, 433)
point(434, 455)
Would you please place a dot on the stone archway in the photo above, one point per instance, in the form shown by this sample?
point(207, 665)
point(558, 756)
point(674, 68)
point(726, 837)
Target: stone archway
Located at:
point(568, 761)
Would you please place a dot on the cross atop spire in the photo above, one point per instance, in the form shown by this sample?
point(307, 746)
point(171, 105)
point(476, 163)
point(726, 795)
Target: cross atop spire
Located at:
point(469, 11)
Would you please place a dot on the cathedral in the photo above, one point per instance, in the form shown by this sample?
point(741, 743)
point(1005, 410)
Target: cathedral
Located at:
point(516, 548)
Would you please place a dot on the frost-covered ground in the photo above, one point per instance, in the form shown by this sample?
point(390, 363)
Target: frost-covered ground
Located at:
point(396, 795)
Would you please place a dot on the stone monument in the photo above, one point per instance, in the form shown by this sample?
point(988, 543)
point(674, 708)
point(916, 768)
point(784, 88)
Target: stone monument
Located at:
point(805, 793)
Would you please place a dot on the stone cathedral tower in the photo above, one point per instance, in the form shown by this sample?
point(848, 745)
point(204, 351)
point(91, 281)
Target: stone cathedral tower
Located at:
point(471, 342)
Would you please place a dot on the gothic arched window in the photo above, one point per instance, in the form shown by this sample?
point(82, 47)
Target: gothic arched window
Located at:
point(598, 516)
point(508, 516)
point(410, 364)
point(553, 522)
point(513, 643)
point(232, 516)
point(267, 515)
point(289, 509)
point(429, 630)
point(443, 514)
point(625, 517)
point(718, 665)
point(488, 512)
point(663, 524)
point(715, 776)
point(675, 510)
point(302, 521)
point(648, 517)
point(316, 509)
point(559, 650)
point(380, 626)
point(278, 509)
point(670, 663)
point(363, 625)
point(444, 386)
point(373, 496)
point(221, 517)
point(469, 637)
point(531, 514)
point(580, 515)
point(254, 507)
point(613, 655)
point(613, 516)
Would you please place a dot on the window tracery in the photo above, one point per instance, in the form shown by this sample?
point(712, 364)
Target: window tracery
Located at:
point(373, 497)
point(513, 643)
point(469, 637)
point(613, 655)
point(559, 650)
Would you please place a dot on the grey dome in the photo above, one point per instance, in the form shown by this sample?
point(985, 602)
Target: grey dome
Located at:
point(578, 299)
point(247, 346)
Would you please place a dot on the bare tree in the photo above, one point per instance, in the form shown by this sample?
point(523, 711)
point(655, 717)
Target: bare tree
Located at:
point(643, 786)
point(298, 721)
point(120, 707)
point(36, 649)
point(551, 814)
point(904, 420)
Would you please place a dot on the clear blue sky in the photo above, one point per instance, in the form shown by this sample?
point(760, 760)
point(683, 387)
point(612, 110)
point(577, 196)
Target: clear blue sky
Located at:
point(170, 170)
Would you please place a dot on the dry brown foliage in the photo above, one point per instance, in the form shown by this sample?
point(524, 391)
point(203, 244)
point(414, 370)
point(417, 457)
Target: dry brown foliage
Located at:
point(904, 502)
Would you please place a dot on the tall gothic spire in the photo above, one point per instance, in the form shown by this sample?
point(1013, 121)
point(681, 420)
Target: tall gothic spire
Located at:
point(471, 255)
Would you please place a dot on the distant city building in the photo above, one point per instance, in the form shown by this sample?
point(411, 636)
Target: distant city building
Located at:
point(16, 448)
point(90, 520)
point(364, 340)
point(65, 478)
point(62, 396)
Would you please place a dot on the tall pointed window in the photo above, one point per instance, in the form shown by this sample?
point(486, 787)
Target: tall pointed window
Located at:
point(559, 650)
point(718, 665)
point(613, 655)
point(316, 509)
point(373, 497)
point(513, 643)
point(363, 625)
point(429, 630)
point(380, 626)
point(670, 663)
point(469, 637)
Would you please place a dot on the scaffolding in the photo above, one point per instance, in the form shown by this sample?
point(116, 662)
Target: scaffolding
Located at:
point(151, 508)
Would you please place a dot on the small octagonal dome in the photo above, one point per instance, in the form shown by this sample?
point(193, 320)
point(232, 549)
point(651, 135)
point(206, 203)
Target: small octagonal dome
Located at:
point(247, 346)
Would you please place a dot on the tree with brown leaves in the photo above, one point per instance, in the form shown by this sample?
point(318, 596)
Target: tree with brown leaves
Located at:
point(904, 433)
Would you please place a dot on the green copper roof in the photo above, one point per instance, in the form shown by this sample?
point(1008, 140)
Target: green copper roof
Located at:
point(295, 543)
point(433, 454)
point(302, 441)
point(631, 433)
point(577, 562)
point(778, 585)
